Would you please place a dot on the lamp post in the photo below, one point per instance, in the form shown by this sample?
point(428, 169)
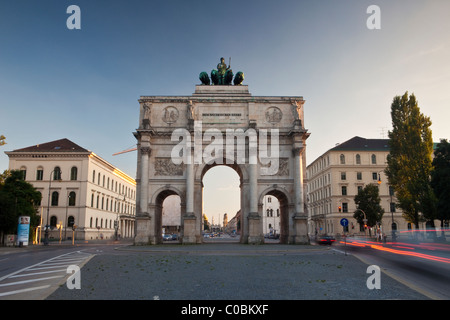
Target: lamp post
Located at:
point(67, 224)
point(48, 204)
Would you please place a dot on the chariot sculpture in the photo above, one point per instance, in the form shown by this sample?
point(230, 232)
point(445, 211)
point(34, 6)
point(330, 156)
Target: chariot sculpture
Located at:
point(223, 75)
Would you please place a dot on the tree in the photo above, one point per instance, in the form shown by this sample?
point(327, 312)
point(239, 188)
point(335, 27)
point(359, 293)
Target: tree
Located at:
point(409, 160)
point(17, 198)
point(368, 200)
point(2, 140)
point(440, 181)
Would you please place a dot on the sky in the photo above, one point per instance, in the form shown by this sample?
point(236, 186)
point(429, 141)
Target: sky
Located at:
point(84, 84)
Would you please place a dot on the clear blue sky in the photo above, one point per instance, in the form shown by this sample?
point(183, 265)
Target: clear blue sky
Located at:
point(84, 84)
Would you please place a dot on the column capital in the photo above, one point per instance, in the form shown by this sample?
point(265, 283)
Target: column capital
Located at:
point(296, 150)
point(145, 150)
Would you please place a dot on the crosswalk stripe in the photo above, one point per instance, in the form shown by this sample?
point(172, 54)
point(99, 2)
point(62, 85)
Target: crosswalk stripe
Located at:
point(28, 281)
point(2, 294)
point(36, 273)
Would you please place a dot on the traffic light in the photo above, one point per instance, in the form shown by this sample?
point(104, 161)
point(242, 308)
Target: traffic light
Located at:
point(339, 208)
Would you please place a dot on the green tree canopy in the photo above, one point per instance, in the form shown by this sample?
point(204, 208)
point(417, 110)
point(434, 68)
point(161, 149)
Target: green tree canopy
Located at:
point(409, 160)
point(17, 198)
point(368, 200)
point(440, 180)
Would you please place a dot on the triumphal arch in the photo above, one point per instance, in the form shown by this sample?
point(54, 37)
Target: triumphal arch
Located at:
point(181, 137)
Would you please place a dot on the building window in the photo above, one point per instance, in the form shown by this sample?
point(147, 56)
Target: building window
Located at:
point(391, 191)
point(344, 190)
point(90, 223)
point(343, 176)
point(344, 207)
point(93, 176)
point(269, 199)
point(55, 198)
point(374, 176)
point(392, 206)
point(374, 159)
point(23, 172)
point(358, 159)
point(72, 198)
point(342, 159)
point(360, 189)
point(39, 174)
point(92, 200)
point(70, 221)
point(359, 176)
point(57, 173)
point(40, 199)
point(73, 173)
point(53, 221)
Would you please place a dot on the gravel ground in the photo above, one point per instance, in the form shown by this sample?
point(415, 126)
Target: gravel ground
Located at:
point(235, 272)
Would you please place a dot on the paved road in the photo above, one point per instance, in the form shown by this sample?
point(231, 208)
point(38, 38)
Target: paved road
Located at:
point(229, 271)
point(36, 273)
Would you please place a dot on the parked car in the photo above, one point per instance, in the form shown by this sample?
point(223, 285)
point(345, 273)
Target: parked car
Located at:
point(167, 237)
point(326, 240)
point(174, 236)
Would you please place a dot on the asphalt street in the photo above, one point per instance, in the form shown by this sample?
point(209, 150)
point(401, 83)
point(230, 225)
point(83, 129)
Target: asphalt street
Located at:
point(229, 271)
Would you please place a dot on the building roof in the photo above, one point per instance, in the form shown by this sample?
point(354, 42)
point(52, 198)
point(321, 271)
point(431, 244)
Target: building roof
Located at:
point(361, 144)
point(62, 145)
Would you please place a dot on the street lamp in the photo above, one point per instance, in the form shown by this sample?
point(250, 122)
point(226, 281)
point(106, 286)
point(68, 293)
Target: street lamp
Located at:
point(48, 204)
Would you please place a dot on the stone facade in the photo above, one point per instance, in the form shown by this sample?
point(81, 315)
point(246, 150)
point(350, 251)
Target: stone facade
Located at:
point(333, 182)
point(89, 193)
point(205, 116)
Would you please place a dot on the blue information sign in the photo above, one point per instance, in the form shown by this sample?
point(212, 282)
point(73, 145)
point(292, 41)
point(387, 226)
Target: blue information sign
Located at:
point(344, 222)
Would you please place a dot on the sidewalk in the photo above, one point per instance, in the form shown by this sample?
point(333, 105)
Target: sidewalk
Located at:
point(64, 243)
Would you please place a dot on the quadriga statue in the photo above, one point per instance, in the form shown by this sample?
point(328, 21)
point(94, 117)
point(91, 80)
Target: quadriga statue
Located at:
point(223, 75)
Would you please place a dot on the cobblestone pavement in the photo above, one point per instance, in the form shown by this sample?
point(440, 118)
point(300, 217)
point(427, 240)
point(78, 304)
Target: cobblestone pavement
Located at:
point(229, 272)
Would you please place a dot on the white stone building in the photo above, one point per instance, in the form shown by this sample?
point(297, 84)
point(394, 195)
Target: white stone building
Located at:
point(334, 179)
point(78, 188)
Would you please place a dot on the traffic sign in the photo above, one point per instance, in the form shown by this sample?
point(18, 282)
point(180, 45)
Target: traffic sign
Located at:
point(344, 222)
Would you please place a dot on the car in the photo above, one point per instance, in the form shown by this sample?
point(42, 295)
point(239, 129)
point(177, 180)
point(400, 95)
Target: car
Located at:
point(167, 237)
point(326, 240)
point(174, 236)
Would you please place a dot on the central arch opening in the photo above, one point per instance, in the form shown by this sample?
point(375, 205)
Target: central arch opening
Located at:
point(221, 204)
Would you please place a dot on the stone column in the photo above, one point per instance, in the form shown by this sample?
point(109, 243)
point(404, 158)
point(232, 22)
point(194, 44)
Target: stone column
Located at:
point(189, 219)
point(190, 188)
point(253, 181)
point(298, 181)
point(300, 220)
point(145, 153)
point(255, 235)
point(143, 221)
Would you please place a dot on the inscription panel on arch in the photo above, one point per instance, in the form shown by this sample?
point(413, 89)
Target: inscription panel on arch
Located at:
point(223, 115)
